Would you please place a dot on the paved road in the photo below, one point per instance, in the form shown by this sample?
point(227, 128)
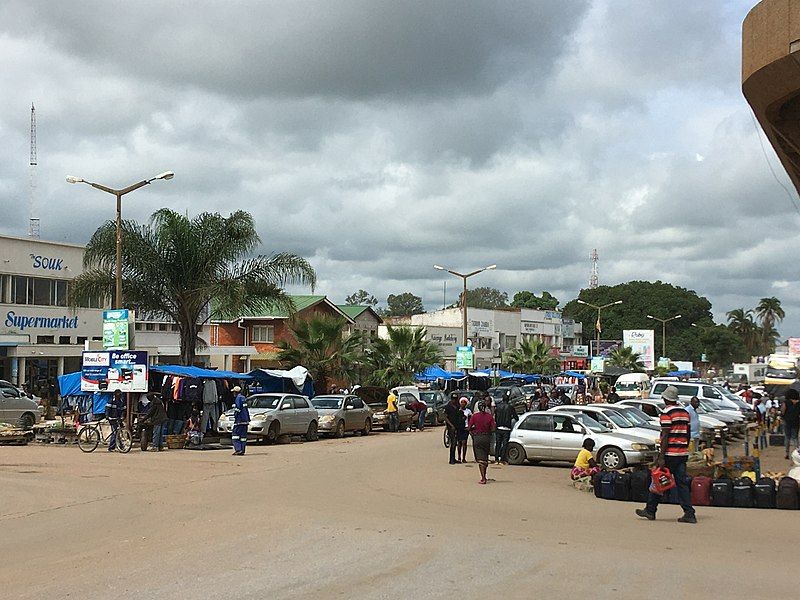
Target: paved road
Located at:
point(377, 517)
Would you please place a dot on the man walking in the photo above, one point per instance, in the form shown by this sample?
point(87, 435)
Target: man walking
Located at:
point(674, 450)
point(505, 415)
point(694, 423)
point(790, 412)
point(241, 419)
point(454, 420)
point(115, 412)
point(391, 412)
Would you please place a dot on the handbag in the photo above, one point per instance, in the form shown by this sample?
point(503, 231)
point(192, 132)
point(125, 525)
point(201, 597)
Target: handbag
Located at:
point(662, 480)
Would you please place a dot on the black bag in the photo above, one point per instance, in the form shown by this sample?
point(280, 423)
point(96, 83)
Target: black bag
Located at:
point(622, 487)
point(640, 482)
point(743, 493)
point(596, 484)
point(607, 485)
point(722, 492)
point(765, 493)
point(787, 496)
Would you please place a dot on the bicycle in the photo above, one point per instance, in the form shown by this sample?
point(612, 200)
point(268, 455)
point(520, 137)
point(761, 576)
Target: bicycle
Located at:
point(91, 434)
point(446, 436)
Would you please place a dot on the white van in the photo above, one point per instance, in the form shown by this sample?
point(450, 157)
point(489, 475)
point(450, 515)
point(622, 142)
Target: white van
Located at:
point(632, 385)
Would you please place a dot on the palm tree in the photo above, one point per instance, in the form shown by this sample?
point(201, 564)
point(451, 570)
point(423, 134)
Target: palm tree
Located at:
point(396, 359)
point(322, 348)
point(533, 357)
point(770, 312)
point(740, 321)
point(626, 358)
point(189, 270)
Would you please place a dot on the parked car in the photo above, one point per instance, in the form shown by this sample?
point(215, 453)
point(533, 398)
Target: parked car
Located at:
point(531, 388)
point(687, 389)
point(558, 436)
point(516, 396)
point(375, 397)
point(436, 401)
point(631, 415)
point(273, 415)
point(339, 413)
point(613, 420)
point(711, 427)
point(16, 407)
point(570, 390)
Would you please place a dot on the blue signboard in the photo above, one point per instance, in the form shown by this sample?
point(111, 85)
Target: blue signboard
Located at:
point(123, 370)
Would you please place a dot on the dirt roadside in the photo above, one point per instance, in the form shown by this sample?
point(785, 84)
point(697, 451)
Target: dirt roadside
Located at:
point(377, 517)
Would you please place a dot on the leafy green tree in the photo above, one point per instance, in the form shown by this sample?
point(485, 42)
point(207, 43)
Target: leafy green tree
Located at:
point(525, 299)
point(740, 322)
point(722, 346)
point(321, 347)
point(532, 357)
point(639, 299)
point(189, 270)
point(404, 353)
point(361, 298)
point(404, 305)
point(625, 358)
point(486, 297)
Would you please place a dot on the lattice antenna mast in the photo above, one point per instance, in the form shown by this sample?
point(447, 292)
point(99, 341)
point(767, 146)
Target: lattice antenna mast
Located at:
point(33, 222)
point(594, 280)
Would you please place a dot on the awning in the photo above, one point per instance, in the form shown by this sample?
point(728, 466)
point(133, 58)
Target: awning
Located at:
point(435, 372)
point(69, 384)
point(182, 371)
point(296, 380)
point(681, 373)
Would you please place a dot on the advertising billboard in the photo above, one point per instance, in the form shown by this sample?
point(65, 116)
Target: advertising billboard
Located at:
point(123, 370)
point(794, 346)
point(116, 329)
point(465, 357)
point(642, 342)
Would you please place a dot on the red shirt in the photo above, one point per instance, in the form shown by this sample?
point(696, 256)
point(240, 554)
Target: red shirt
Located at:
point(676, 420)
point(481, 422)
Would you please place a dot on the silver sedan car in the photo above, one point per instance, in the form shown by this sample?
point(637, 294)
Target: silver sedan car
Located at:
point(339, 413)
point(274, 415)
point(558, 436)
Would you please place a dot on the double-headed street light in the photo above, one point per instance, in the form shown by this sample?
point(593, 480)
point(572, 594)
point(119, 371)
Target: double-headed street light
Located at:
point(664, 331)
point(597, 325)
point(464, 277)
point(119, 194)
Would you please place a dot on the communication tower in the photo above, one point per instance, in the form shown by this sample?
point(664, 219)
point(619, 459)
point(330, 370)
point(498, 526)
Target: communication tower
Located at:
point(594, 280)
point(33, 222)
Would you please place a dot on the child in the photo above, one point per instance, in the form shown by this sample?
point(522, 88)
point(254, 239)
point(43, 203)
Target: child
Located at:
point(585, 465)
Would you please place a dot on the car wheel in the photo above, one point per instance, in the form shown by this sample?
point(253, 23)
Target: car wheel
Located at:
point(339, 431)
point(27, 421)
point(273, 432)
point(612, 458)
point(367, 427)
point(312, 435)
point(516, 454)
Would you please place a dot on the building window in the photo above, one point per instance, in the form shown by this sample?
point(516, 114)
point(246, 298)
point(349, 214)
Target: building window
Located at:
point(97, 338)
point(3, 287)
point(137, 327)
point(174, 327)
point(45, 339)
point(81, 339)
point(19, 289)
point(510, 342)
point(150, 326)
point(64, 339)
point(60, 295)
point(162, 326)
point(263, 333)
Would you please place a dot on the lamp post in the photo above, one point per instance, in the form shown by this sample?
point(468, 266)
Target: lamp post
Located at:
point(663, 331)
point(119, 194)
point(597, 323)
point(464, 277)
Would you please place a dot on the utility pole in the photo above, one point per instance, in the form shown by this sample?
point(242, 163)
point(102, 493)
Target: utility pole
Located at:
point(33, 219)
point(597, 325)
point(594, 279)
point(663, 332)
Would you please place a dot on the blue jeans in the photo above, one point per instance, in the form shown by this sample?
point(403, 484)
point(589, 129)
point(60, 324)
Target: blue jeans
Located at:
point(112, 440)
point(421, 420)
point(789, 437)
point(175, 426)
point(394, 422)
point(159, 433)
point(501, 444)
point(676, 466)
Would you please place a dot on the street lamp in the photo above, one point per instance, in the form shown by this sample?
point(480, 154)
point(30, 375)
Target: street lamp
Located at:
point(464, 277)
point(597, 324)
point(119, 194)
point(663, 331)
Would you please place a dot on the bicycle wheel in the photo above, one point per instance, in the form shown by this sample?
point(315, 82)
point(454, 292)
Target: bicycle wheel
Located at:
point(446, 438)
point(88, 438)
point(124, 440)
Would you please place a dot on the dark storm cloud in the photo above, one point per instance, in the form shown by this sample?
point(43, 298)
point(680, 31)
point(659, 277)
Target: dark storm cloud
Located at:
point(379, 138)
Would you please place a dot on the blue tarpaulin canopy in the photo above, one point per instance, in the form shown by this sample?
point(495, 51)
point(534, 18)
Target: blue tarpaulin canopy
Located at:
point(70, 385)
point(182, 371)
point(435, 372)
point(573, 374)
point(294, 381)
point(681, 373)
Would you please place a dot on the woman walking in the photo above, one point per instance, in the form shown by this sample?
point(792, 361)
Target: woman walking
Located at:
point(481, 426)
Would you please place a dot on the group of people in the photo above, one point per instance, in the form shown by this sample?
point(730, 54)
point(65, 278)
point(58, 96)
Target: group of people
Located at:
point(417, 406)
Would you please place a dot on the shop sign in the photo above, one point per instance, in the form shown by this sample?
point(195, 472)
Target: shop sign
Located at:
point(598, 364)
point(116, 329)
point(23, 322)
point(465, 357)
point(794, 345)
point(529, 327)
point(48, 263)
point(125, 371)
point(477, 327)
point(580, 351)
point(642, 342)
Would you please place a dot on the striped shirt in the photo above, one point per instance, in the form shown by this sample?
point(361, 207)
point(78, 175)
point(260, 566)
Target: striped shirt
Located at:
point(676, 420)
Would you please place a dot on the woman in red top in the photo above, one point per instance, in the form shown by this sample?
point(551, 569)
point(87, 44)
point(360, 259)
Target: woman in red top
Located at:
point(481, 426)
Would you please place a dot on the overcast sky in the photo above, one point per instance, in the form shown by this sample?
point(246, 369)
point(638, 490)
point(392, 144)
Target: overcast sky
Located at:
point(377, 138)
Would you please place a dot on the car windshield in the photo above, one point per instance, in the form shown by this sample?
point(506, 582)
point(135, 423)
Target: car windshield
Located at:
point(632, 416)
point(264, 401)
point(327, 402)
point(643, 416)
point(529, 389)
point(498, 392)
point(590, 423)
point(627, 387)
point(708, 406)
point(429, 397)
point(617, 419)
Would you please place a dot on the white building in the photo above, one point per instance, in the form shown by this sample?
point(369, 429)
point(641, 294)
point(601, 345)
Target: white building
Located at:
point(41, 337)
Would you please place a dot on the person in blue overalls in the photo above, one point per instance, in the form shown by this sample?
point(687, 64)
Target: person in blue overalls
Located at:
point(241, 419)
point(115, 412)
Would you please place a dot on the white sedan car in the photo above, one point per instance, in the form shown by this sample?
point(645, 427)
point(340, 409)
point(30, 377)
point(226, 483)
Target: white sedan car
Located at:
point(273, 415)
point(558, 436)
